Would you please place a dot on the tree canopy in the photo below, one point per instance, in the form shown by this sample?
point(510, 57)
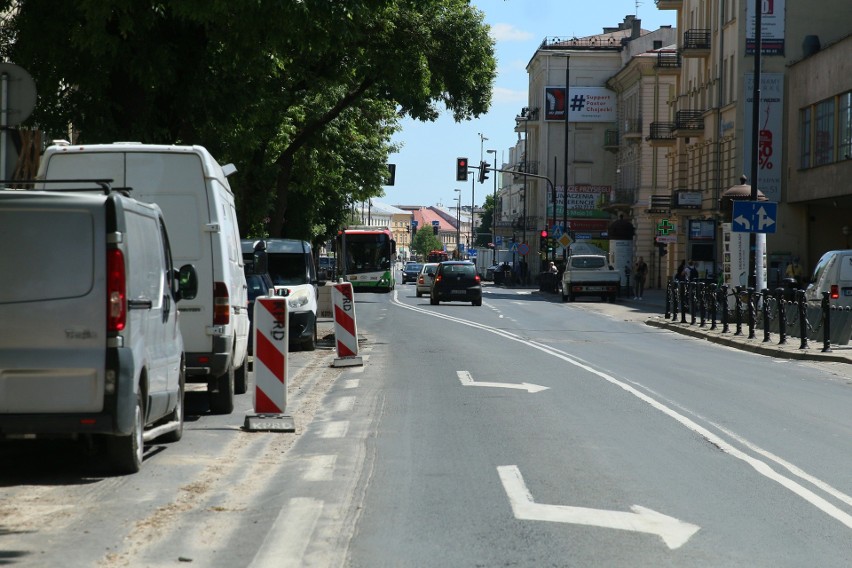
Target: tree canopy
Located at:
point(303, 96)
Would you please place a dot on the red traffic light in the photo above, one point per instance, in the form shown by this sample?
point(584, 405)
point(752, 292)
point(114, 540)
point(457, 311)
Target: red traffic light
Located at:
point(544, 233)
point(461, 169)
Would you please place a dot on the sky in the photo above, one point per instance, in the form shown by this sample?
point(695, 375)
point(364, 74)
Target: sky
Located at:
point(426, 163)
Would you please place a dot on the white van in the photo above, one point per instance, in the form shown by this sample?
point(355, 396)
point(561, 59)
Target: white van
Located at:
point(833, 274)
point(192, 190)
point(290, 264)
point(89, 337)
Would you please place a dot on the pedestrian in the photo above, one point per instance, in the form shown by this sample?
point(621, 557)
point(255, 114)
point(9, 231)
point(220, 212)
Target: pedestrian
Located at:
point(794, 271)
point(682, 273)
point(639, 275)
point(553, 269)
point(693, 271)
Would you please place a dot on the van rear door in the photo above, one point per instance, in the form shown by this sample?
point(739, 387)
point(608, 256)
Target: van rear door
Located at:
point(52, 303)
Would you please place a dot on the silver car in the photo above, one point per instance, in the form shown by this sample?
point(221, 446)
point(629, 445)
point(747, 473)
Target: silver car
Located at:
point(425, 278)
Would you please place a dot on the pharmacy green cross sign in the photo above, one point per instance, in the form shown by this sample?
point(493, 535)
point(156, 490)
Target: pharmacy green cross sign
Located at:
point(665, 227)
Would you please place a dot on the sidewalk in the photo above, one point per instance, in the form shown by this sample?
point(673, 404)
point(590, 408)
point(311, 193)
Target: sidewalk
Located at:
point(790, 350)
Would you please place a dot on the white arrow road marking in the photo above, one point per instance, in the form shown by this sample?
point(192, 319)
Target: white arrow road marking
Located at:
point(468, 381)
point(674, 532)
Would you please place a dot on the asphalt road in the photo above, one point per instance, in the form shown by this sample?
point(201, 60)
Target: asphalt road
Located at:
point(525, 432)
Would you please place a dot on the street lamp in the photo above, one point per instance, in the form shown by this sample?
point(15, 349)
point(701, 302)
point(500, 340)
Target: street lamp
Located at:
point(458, 222)
point(494, 210)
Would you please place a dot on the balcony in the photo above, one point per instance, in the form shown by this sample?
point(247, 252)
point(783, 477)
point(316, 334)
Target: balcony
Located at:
point(696, 43)
point(524, 167)
point(632, 131)
point(668, 60)
point(661, 134)
point(689, 123)
point(669, 4)
point(611, 140)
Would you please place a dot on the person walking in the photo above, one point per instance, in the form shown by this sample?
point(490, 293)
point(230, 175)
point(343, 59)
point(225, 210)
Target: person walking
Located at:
point(640, 272)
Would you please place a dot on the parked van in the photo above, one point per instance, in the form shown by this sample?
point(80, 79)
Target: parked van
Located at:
point(192, 190)
point(89, 336)
point(833, 274)
point(290, 263)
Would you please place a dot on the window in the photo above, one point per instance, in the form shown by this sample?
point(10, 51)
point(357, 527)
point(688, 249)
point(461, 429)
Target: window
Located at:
point(824, 135)
point(805, 138)
point(844, 126)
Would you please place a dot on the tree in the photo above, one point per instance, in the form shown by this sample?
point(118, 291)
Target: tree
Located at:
point(484, 231)
point(305, 110)
point(425, 241)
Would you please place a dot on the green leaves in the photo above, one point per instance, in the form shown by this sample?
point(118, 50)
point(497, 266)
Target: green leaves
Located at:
point(303, 96)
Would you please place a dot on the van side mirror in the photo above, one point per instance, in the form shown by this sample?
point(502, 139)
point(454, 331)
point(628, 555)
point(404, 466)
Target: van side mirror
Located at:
point(185, 283)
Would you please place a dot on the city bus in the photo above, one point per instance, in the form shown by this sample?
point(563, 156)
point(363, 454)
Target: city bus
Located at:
point(365, 257)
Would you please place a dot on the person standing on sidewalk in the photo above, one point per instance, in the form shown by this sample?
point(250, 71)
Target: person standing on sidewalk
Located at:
point(639, 273)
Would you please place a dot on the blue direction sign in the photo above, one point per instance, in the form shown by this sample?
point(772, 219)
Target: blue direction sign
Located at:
point(754, 217)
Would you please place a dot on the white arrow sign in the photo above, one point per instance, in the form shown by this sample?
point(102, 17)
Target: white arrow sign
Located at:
point(744, 222)
point(763, 219)
point(468, 381)
point(675, 533)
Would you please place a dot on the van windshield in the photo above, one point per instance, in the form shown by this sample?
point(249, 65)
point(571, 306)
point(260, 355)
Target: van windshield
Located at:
point(287, 269)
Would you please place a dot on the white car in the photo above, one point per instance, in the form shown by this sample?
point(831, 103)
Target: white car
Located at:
point(425, 278)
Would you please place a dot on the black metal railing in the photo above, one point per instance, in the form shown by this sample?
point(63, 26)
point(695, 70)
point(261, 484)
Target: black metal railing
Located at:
point(785, 311)
point(662, 131)
point(689, 120)
point(696, 40)
point(668, 59)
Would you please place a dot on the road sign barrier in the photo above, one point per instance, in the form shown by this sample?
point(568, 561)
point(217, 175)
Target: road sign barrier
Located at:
point(271, 358)
point(345, 328)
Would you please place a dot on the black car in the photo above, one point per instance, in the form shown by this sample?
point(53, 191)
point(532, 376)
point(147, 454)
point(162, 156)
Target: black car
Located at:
point(259, 284)
point(411, 271)
point(456, 281)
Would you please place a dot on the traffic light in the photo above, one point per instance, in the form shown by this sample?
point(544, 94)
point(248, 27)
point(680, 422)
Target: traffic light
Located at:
point(483, 172)
point(461, 169)
point(663, 248)
point(434, 229)
point(542, 243)
point(391, 179)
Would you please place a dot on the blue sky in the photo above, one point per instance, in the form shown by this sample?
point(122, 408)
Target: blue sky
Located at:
point(425, 167)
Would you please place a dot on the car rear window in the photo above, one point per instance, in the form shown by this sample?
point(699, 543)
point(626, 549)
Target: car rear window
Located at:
point(460, 269)
point(588, 262)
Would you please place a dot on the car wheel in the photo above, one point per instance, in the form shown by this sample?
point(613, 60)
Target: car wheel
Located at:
point(433, 300)
point(571, 297)
point(310, 344)
point(477, 302)
point(222, 399)
point(419, 294)
point(125, 452)
point(241, 378)
point(177, 414)
point(564, 297)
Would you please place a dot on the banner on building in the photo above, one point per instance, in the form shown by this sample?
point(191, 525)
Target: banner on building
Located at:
point(772, 28)
point(586, 104)
point(770, 119)
point(582, 201)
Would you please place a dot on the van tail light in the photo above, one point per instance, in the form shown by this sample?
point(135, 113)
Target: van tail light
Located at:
point(438, 278)
point(477, 279)
point(221, 304)
point(420, 279)
point(835, 292)
point(116, 291)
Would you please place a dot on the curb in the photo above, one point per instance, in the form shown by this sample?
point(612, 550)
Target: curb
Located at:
point(786, 351)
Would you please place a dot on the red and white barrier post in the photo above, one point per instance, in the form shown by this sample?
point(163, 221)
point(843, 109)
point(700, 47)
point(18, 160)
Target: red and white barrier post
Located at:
point(271, 363)
point(345, 329)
